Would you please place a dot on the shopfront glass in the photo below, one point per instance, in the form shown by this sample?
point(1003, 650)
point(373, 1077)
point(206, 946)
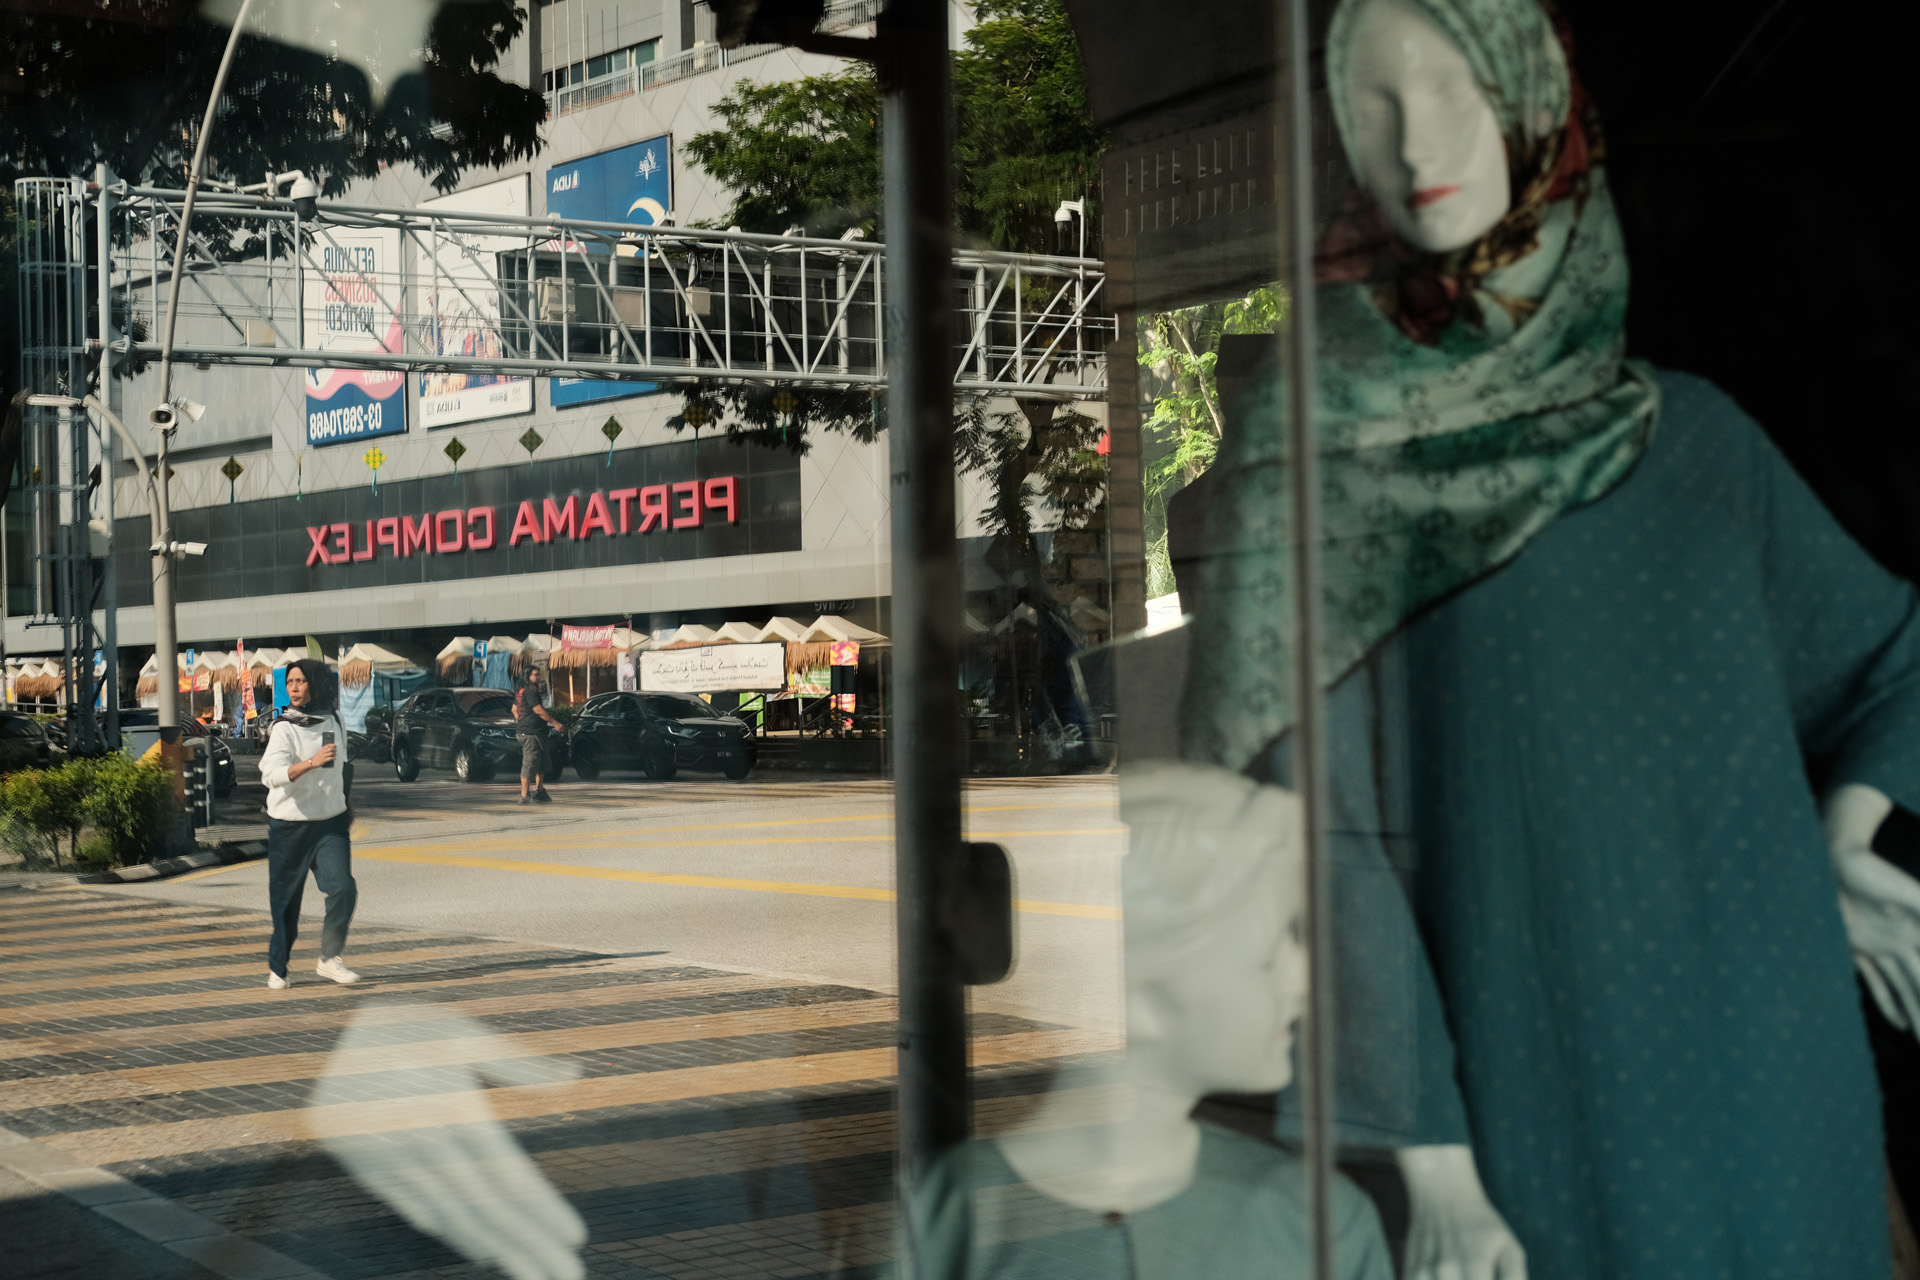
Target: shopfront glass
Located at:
point(1426, 789)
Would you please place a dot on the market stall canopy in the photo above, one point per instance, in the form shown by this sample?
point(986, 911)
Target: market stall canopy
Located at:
point(787, 629)
point(684, 637)
point(830, 628)
point(737, 633)
point(358, 664)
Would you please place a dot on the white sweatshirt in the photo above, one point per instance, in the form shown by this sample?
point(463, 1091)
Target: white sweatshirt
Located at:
point(315, 794)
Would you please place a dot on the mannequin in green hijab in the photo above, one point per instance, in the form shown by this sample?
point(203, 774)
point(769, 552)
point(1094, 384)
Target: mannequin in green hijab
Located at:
point(1474, 398)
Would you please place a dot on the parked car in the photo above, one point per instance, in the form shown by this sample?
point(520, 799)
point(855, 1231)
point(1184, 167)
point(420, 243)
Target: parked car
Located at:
point(658, 734)
point(469, 731)
point(23, 743)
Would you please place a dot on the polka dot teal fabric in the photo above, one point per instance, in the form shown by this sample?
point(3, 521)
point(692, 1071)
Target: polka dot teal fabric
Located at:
point(1586, 909)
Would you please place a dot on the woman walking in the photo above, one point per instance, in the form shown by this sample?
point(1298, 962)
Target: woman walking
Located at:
point(307, 822)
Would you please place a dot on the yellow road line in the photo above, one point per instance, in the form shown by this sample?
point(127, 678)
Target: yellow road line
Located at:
point(858, 893)
point(614, 840)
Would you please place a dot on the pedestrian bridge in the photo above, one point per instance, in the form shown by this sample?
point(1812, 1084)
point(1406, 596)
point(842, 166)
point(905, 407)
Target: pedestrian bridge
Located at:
point(433, 290)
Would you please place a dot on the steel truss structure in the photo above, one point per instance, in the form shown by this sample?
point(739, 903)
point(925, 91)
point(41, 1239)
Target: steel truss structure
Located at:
point(550, 297)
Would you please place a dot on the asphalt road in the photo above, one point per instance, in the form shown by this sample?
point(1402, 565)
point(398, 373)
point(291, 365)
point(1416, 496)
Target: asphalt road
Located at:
point(775, 875)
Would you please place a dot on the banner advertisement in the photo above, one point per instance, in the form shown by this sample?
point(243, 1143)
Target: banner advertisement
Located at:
point(462, 309)
point(631, 184)
point(710, 668)
point(352, 305)
point(586, 637)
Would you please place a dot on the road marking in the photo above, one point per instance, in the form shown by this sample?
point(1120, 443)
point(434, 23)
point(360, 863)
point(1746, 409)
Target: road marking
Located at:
point(511, 842)
point(513, 1102)
point(613, 840)
point(857, 893)
point(257, 864)
point(413, 1055)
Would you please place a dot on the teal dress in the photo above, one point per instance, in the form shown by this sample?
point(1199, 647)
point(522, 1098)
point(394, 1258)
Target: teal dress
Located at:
point(1587, 919)
point(1243, 1217)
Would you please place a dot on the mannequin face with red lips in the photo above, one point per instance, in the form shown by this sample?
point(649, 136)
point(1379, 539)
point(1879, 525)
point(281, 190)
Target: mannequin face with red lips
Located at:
point(1427, 146)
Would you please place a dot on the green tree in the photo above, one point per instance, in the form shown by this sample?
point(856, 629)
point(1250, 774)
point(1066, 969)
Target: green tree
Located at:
point(1179, 350)
point(807, 152)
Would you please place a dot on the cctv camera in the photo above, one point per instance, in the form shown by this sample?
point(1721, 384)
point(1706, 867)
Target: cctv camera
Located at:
point(163, 417)
point(190, 548)
point(305, 195)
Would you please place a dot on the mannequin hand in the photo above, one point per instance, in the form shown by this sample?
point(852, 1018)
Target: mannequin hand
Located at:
point(1455, 1233)
point(1879, 902)
point(454, 1171)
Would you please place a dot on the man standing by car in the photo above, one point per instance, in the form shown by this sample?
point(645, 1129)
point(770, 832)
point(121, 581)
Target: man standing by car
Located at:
point(531, 721)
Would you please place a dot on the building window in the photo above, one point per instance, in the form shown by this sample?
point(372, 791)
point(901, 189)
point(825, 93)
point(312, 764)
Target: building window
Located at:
point(591, 80)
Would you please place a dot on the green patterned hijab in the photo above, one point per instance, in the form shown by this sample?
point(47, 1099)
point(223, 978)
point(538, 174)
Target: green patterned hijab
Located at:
point(1446, 444)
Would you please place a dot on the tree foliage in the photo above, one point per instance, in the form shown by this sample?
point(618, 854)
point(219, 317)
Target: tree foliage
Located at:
point(807, 152)
point(1180, 350)
point(126, 82)
point(798, 153)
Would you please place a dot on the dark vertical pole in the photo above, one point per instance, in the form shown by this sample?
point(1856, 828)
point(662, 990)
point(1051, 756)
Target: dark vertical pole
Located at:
point(1294, 106)
point(927, 759)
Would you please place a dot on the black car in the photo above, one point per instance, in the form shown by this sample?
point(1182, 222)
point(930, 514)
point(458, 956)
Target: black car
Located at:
point(23, 743)
point(469, 731)
point(659, 734)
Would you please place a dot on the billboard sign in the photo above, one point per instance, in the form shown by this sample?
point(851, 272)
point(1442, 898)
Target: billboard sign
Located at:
point(631, 184)
point(352, 305)
point(462, 308)
point(710, 668)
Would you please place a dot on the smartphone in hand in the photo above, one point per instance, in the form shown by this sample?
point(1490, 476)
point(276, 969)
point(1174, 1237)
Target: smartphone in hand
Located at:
point(326, 740)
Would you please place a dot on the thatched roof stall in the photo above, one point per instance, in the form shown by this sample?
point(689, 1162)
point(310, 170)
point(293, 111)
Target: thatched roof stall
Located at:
point(454, 664)
point(535, 651)
point(624, 641)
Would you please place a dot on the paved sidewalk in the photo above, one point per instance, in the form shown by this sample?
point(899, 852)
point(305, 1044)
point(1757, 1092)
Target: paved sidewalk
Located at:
point(722, 1124)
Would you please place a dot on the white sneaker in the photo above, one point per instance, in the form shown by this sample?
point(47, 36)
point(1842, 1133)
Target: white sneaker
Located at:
point(336, 969)
point(275, 982)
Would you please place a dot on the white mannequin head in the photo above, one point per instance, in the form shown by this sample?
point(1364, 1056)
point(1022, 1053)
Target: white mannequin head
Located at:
point(1426, 144)
point(1216, 974)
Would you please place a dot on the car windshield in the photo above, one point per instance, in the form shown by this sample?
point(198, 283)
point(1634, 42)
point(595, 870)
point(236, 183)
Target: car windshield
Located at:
point(483, 702)
point(679, 706)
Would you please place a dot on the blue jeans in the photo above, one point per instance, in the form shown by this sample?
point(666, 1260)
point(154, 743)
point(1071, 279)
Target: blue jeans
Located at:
point(293, 849)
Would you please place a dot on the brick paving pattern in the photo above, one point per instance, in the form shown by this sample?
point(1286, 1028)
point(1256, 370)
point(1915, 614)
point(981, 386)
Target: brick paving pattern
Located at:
point(717, 1125)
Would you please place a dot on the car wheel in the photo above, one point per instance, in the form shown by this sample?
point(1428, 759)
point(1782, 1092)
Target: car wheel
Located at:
point(586, 762)
point(405, 767)
point(735, 769)
point(467, 765)
point(660, 764)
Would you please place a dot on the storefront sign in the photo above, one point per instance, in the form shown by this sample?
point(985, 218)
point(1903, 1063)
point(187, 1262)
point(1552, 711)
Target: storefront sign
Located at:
point(686, 504)
point(451, 270)
point(709, 668)
point(675, 501)
point(631, 184)
point(586, 637)
point(352, 305)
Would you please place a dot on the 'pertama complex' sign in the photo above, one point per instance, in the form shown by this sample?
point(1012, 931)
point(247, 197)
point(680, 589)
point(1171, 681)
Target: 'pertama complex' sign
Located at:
point(678, 501)
point(685, 504)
